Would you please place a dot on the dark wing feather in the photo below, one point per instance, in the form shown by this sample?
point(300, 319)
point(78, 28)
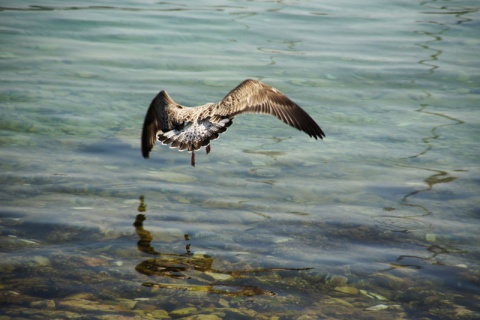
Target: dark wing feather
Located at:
point(253, 96)
point(160, 117)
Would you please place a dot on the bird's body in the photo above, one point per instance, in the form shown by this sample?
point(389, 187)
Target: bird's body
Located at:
point(192, 128)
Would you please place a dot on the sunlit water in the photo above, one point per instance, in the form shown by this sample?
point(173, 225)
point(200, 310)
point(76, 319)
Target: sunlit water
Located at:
point(379, 220)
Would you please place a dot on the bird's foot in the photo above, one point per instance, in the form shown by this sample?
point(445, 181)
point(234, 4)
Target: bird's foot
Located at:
point(192, 162)
point(207, 148)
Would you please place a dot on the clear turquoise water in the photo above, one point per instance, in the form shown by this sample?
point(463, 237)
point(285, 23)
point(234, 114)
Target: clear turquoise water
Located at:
point(394, 85)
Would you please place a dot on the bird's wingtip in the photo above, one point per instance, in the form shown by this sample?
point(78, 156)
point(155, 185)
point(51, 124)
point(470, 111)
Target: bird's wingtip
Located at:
point(145, 151)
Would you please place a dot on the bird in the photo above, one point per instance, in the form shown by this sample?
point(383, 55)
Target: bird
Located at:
point(191, 128)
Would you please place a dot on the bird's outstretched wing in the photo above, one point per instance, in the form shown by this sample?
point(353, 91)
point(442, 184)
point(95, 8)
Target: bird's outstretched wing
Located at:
point(162, 116)
point(253, 96)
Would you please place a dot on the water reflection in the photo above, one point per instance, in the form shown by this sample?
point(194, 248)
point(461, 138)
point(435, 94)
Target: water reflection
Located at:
point(77, 8)
point(458, 12)
point(439, 176)
point(432, 62)
point(420, 262)
point(434, 251)
point(410, 222)
point(434, 135)
point(198, 268)
point(145, 242)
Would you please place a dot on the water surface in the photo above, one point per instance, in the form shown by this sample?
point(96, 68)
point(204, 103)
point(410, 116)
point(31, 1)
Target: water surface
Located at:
point(379, 220)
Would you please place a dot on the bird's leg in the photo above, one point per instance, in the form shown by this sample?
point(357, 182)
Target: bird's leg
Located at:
point(207, 148)
point(192, 162)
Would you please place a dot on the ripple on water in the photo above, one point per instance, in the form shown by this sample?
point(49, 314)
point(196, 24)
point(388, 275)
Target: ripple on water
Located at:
point(377, 221)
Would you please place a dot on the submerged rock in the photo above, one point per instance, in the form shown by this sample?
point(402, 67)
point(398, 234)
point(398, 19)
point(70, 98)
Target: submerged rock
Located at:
point(378, 307)
point(347, 290)
point(183, 311)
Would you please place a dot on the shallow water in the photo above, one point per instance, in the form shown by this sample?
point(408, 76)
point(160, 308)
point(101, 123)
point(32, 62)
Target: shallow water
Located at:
point(379, 220)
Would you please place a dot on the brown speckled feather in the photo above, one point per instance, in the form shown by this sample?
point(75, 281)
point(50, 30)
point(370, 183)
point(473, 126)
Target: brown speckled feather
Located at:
point(192, 128)
point(253, 96)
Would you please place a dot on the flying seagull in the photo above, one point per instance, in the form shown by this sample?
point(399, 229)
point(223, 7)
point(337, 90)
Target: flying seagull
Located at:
point(192, 128)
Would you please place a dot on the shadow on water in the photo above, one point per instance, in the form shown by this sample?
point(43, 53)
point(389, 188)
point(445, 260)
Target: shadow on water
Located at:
point(438, 177)
point(412, 279)
point(91, 270)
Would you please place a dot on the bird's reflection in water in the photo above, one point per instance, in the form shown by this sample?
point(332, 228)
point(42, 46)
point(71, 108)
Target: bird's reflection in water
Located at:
point(144, 244)
point(196, 268)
